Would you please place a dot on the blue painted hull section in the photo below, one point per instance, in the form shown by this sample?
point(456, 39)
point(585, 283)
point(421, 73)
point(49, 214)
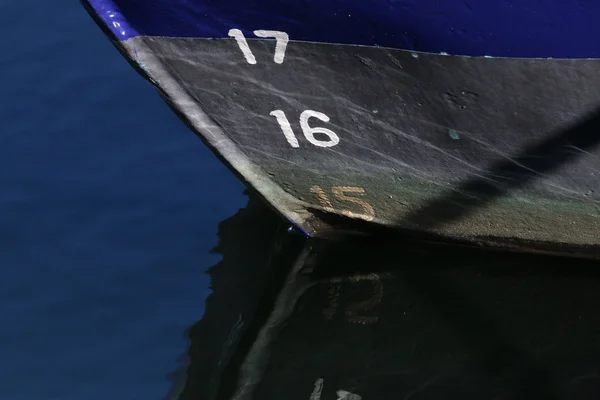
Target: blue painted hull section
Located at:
point(500, 28)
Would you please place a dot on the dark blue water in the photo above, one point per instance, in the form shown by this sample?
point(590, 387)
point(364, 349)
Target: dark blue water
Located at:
point(109, 208)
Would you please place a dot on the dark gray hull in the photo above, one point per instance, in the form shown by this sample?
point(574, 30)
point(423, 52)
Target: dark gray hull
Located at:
point(463, 149)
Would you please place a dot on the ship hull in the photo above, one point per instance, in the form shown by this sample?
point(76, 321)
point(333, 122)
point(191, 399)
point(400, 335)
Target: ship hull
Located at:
point(343, 138)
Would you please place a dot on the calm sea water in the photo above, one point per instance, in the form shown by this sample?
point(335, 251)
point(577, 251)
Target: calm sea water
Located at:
point(132, 267)
point(109, 207)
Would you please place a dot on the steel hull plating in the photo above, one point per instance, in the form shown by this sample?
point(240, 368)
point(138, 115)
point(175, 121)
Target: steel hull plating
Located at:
point(345, 138)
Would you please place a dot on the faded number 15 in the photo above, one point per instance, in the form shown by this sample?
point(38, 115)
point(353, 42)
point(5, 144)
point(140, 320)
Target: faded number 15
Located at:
point(340, 193)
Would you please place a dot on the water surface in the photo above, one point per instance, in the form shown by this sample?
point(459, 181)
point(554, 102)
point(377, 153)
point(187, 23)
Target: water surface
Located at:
point(109, 209)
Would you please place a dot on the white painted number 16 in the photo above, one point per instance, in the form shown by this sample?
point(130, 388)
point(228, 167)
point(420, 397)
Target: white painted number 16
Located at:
point(307, 130)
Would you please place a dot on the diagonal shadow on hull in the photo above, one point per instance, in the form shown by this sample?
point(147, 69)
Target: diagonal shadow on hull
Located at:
point(533, 162)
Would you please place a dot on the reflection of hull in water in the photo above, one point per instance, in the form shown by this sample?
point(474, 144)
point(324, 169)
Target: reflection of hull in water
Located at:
point(380, 321)
point(242, 284)
point(339, 137)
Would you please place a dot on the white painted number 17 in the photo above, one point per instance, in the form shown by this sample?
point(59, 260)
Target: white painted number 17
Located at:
point(281, 41)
